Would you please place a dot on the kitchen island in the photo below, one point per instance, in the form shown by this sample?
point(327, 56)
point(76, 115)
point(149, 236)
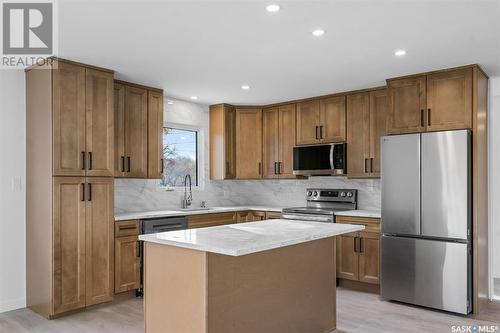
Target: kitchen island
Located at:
point(271, 276)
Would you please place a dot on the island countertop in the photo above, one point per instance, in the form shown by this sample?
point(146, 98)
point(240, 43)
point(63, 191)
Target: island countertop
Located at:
point(246, 238)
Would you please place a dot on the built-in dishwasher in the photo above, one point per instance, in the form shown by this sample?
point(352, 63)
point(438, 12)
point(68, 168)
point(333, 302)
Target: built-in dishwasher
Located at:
point(152, 226)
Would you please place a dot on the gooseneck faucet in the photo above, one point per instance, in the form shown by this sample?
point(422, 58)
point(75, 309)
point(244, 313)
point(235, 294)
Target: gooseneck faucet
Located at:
point(188, 198)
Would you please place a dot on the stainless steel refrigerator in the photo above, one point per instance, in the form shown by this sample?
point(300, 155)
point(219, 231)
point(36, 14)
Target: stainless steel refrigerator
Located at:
point(426, 220)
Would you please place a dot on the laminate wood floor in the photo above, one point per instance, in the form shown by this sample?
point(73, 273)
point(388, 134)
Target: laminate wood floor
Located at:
point(357, 312)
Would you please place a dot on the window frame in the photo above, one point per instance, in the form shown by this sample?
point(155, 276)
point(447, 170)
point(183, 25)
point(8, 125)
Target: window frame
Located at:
point(199, 145)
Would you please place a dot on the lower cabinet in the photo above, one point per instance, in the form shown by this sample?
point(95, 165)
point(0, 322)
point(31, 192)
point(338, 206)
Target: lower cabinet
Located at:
point(273, 215)
point(358, 253)
point(250, 216)
point(127, 256)
point(83, 250)
point(210, 220)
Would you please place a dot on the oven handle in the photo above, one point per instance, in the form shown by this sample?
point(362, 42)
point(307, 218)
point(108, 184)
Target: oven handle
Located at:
point(307, 217)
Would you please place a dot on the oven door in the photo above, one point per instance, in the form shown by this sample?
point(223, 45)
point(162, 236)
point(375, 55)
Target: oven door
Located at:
point(307, 217)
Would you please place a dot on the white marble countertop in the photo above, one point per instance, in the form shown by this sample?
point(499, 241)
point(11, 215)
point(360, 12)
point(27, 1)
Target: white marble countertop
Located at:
point(360, 213)
point(192, 211)
point(245, 238)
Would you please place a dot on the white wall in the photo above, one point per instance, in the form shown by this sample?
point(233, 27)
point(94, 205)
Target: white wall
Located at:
point(12, 190)
point(494, 180)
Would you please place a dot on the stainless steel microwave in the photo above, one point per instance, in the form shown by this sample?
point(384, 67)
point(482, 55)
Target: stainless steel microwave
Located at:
point(319, 160)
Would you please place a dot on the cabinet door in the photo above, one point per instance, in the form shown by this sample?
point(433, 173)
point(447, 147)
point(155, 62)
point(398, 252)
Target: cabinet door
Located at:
point(230, 141)
point(369, 257)
point(68, 120)
point(136, 132)
point(243, 216)
point(99, 240)
point(68, 244)
point(270, 140)
point(407, 103)
point(286, 131)
point(248, 143)
point(449, 100)
point(332, 120)
point(258, 216)
point(347, 256)
point(308, 122)
point(99, 123)
point(155, 134)
point(119, 118)
point(127, 264)
point(358, 121)
point(378, 112)
point(273, 215)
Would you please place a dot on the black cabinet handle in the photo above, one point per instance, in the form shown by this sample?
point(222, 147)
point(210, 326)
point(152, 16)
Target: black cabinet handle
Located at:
point(366, 165)
point(162, 166)
point(83, 192)
point(280, 171)
point(422, 117)
point(275, 168)
point(429, 117)
point(260, 168)
point(128, 162)
point(317, 133)
point(361, 245)
point(321, 132)
point(123, 163)
point(90, 160)
point(83, 160)
point(371, 164)
point(355, 244)
point(90, 193)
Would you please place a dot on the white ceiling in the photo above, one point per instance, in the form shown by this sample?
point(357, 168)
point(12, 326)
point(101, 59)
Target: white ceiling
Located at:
point(210, 48)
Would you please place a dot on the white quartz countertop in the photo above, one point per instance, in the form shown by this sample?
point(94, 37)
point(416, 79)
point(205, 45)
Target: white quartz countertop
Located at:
point(245, 238)
point(360, 213)
point(190, 211)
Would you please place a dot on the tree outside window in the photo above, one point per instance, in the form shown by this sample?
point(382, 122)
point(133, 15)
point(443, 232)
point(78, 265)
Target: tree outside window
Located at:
point(180, 152)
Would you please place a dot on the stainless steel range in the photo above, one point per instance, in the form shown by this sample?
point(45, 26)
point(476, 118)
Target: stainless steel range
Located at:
point(322, 204)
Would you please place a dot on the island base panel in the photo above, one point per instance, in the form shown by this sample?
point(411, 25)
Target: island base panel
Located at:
point(289, 289)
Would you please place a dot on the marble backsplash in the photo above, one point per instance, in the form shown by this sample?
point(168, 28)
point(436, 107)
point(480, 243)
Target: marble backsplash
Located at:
point(133, 195)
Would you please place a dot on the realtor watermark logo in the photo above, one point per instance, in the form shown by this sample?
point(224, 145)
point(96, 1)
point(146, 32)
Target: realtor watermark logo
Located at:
point(28, 32)
point(474, 328)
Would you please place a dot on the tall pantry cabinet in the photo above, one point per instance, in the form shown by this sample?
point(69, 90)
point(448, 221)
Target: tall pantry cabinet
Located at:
point(69, 186)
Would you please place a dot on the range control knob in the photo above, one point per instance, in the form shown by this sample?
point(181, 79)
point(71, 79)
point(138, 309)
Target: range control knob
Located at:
point(349, 194)
point(315, 193)
point(342, 194)
point(309, 193)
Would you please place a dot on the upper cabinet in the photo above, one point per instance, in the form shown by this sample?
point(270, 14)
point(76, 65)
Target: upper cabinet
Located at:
point(321, 121)
point(82, 121)
point(222, 142)
point(138, 130)
point(278, 141)
point(155, 134)
point(433, 102)
point(366, 114)
point(248, 143)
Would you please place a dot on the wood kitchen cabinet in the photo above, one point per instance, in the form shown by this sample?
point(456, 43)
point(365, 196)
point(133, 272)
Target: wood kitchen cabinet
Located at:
point(358, 253)
point(321, 121)
point(250, 216)
point(222, 142)
point(430, 102)
point(127, 256)
point(82, 121)
point(366, 114)
point(210, 220)
point(248, 143)
point(278, 124)
point(70, 187)
point(155, 134)
point(138, 130)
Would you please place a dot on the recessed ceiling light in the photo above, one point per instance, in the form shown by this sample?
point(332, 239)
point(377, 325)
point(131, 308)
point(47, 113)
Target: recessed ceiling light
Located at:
point(399, 53)
point(273, 8)
point(245, 86)
point(170, 102)
point(194, 97)
point(318, 32)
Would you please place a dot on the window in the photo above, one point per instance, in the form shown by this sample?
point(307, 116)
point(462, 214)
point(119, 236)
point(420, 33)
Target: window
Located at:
point(180, 151)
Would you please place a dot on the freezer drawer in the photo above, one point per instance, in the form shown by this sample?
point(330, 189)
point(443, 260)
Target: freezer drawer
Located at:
point(401, 184)
point(424, 272)
point(446, 184)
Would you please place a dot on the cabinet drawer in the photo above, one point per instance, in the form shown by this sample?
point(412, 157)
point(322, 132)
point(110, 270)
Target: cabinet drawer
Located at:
point(126, 228)
point(371, 224)
point(210, 220)
point(273, 215)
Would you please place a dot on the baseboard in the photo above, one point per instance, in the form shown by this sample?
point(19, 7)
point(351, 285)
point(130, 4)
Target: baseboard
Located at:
point(12, 304)
point(359, 286)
